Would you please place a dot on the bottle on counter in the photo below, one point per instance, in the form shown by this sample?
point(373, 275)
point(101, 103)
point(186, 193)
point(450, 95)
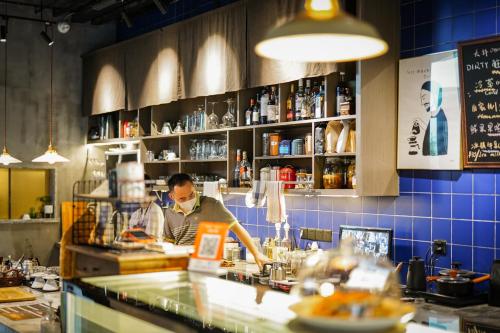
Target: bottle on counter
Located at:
point(290, 104)
point(272, 107)
point(245, 171)
point(236, 170)
point(319, 102)
point(264, 99)
point(249, 112)
point(307, 102)
point(256, 112)
point(342, 93)
point(299, 100)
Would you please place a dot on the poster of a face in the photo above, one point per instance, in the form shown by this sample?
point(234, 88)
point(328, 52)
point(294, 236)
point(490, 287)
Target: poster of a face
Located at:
point(429, 135)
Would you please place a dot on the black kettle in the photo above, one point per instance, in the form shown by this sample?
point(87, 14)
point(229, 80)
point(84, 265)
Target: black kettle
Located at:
point(415, 279)
point(494, 297)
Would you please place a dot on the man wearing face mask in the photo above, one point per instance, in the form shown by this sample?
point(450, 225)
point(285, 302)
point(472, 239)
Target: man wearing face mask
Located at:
point(182, 220)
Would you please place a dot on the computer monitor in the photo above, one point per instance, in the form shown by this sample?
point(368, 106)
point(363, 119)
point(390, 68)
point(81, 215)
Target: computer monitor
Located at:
point(370, 241)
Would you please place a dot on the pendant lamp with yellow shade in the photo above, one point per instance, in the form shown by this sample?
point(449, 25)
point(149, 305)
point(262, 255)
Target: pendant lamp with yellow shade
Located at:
point(51, 156)
point(322, 33)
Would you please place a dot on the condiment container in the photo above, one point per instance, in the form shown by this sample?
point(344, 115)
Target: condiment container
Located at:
point(334, 174)
point(319, 140)
point(298, 147)
point(287, 174)
point(308, 146)
point(266, 144)
point(274, 141)
point(284, 147)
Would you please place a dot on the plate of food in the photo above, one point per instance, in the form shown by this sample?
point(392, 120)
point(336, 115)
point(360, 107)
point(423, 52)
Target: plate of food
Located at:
point(353, 311)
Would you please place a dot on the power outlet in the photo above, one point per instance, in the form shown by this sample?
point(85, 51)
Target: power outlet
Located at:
point(321, 235)
point(439, 247)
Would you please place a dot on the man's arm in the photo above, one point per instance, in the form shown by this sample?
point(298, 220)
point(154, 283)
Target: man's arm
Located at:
point(245, 238)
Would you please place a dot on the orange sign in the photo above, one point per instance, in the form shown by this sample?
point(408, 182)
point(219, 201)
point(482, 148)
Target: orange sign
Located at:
point(208, 246)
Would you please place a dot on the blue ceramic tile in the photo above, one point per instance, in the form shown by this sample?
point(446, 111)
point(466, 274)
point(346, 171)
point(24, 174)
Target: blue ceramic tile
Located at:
point(252, 216)
point(484, 182)
point(339, 204)
point(442, 9)
point(252, 230)
point(262, 232)
point(420, 249)
point(386, 205)
point(338, 219)
point(353, 205)
point(369, 220)
point(312, 218)
point(422, 205)
point(422, 181)
point(462, 7)
point(403, 250)
point(354, 219)
point(461, 232)
point(442, 31)
point(462, 182)
point(406, 181)
point(325, 245)
point(441, 229)
point(445, 261)
point(484, 234)
point(404, 204)
point(407, 39)
point(423, 51)
point(441, 205)
point(335, 239)
point(403, 227)
point(462, 206)
point(299, 218)
point(370, 205)
point(485, 23)
point(423, 35)
point(483, 4)
point(441, 182)
point(497, 198)
point(325, 203)
point(386, 221)
point(423, 11)
point(406, 12)
point(443, 47)
point(484, 207)
point(483, 258)
point(463, 254)
point(325, 220)
point(233, 210)
point(463, 27)
point(261, 216)
point(311, 204)
point(242, 213)
point(422, 229)
point(298, 203)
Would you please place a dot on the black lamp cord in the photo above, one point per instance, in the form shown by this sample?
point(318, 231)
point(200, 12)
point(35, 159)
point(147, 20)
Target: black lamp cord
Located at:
point(5, 91)
point(51, 84)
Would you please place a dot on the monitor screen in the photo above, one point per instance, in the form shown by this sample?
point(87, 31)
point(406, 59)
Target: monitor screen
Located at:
point(370, 241)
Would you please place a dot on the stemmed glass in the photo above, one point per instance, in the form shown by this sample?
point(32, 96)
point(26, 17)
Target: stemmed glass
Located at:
point(192, 150)
point(213, 119)
point(228, 120)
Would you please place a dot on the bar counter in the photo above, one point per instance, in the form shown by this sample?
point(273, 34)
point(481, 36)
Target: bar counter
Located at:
point(192, 302)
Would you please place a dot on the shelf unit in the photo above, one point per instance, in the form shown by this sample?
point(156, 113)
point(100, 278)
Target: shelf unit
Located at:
point(249, 138)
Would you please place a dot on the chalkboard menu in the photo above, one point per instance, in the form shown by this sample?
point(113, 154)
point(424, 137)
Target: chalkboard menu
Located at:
point(480, 84)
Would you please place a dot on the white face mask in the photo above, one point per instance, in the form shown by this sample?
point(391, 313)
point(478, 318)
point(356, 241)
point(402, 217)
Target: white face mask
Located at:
point(187, 206)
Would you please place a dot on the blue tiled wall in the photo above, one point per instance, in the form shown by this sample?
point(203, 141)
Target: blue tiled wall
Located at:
point(460, 207)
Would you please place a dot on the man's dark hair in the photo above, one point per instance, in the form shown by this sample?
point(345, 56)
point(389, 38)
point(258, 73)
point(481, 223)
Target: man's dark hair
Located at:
point(179, 179)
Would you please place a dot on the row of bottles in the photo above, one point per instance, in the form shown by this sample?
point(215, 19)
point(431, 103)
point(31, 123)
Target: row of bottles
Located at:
point(306, 103)
point(264, 108)
point(242, 172)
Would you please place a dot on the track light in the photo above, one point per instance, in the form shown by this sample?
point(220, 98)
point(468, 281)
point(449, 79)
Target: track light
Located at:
point(46, 38)
point(3, 33)
point(160, 6)
point(127, 20)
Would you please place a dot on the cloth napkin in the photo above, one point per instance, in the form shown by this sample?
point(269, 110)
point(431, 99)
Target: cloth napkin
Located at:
point(256, 197)
point(212, 189)
point(276, 207)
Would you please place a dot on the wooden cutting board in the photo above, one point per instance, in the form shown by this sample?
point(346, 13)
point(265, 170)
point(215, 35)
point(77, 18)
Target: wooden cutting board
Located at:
point(15, 294)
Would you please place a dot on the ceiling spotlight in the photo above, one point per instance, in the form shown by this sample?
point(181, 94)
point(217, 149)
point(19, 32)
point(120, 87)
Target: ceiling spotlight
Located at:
point(3, 33)
point(47, 38)
point(63, 27)
point(127, 20)
point(160, 6)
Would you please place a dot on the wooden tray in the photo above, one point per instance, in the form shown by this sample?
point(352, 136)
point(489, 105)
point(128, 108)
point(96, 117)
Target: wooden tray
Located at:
point(15, 294)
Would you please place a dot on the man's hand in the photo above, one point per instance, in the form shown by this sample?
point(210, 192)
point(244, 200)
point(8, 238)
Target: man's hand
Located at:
point(261, 259)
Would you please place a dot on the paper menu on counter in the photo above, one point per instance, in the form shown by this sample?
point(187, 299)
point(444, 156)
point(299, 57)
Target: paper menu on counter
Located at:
point(208, 247)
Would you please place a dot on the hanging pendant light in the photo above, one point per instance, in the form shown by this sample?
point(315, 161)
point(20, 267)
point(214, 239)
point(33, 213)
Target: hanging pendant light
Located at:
point(323, 33)
point(5, 157)
point(51, 156)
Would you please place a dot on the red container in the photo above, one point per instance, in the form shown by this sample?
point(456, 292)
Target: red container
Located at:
point(288, 174)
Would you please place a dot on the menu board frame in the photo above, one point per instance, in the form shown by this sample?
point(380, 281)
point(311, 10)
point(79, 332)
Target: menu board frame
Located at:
point(467, 162)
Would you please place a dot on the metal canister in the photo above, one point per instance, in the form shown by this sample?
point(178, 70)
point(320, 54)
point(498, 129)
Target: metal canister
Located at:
point(284, 147)
point(319, 140)
point(308, 146)
point(274, 142)
point(298, 147)
point(265, 144)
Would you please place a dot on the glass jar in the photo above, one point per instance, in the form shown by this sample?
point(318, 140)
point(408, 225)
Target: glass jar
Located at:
point(351, 174)
point(334, 174)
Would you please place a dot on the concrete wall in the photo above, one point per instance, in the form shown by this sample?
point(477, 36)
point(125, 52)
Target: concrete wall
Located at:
point(28, 105)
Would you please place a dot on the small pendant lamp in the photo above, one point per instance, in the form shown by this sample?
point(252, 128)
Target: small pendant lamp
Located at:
point(5, 157)
point(51, 156)
point(322, 33)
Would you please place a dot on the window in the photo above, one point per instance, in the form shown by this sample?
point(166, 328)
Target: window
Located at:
point(21, 190)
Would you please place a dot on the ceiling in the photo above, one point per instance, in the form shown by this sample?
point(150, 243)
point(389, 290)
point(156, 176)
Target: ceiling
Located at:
point(92, 11)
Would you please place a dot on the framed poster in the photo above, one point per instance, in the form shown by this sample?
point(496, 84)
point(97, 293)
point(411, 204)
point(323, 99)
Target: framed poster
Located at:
point(429, 114)
point(480, 82)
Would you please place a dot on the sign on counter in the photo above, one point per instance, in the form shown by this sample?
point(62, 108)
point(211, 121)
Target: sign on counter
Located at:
point(480, 83)
point(208, 247)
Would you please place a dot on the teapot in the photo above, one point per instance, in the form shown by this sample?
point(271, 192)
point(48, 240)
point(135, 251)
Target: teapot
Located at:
point(166, 129)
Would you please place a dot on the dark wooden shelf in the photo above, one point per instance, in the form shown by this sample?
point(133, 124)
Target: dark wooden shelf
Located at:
point(282, 156)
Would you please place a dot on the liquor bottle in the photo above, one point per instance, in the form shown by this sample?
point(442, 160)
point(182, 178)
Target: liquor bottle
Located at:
point(305, 113)
point(290, 104)
point(342, 92)
point(256, 112)
point(248, 113)
point(272, 107)
point(264, 99)
point(236, 170)
point(245, 171)
point(299, 100)
point(319, 102)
